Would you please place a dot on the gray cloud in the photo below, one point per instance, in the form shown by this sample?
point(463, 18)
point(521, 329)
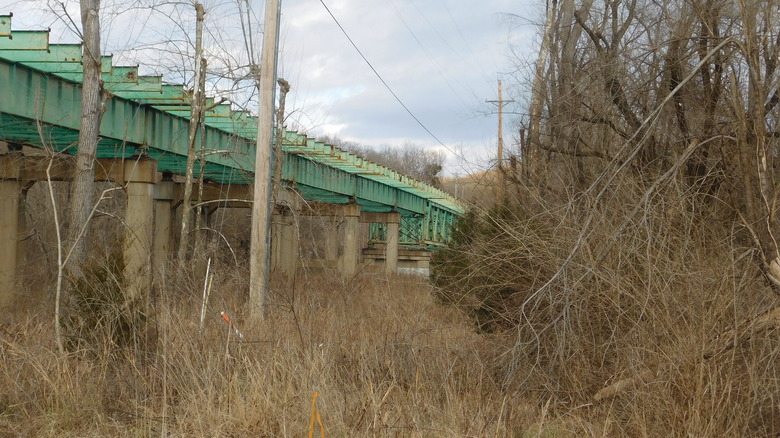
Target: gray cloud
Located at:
point(441, 57)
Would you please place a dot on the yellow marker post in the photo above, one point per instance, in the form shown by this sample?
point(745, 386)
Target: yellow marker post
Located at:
point(315, 413)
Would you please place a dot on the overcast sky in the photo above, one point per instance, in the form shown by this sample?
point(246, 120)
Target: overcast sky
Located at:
point(441, 58)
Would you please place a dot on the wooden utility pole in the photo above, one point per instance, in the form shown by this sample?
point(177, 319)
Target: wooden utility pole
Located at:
point(500, 198)
point(196, 108)
point(261, 208)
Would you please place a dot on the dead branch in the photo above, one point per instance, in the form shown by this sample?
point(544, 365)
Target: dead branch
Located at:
point(722, 343)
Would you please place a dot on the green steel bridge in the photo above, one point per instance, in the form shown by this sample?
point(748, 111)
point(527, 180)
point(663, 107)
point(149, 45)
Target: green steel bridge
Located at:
point(40, 99)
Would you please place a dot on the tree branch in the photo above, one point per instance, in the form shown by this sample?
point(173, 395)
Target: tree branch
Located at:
point(722, 343)
point(580, 154)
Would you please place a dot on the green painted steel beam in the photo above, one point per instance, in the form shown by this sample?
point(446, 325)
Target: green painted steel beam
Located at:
point(126, 74)
point(141, 126)
point(335, 157)
point(64, 53)
point(182, 106)
point(5, 25)
point(37, 96)
point(303, 171)
point(168, 95)
point(152, 84)
point(26, 40)
point(147, 116)
point(61, 139)
point(73, 68)
point(119, 78)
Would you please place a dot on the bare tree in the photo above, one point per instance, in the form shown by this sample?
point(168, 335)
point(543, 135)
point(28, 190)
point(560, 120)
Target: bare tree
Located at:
point(83, 187)
point(410, 159)
point(195, 119)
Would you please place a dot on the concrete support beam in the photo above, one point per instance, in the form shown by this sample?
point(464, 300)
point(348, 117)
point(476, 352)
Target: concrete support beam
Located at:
point(326, 209)
point(217, 195)
point(140, 177)
point(14, 165)
point(407, 258)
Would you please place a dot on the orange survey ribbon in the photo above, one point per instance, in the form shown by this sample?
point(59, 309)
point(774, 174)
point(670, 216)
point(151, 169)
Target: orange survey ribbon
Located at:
point(231, 325)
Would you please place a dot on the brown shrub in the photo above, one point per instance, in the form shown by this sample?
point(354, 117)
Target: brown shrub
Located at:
point(587, 293)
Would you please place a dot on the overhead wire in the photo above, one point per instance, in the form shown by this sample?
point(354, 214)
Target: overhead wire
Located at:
point(462, 37)
point(381, 79)
point(427, 52)
point(473, 60)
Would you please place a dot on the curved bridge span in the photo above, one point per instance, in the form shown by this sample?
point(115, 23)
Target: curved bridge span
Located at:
point(143, 147)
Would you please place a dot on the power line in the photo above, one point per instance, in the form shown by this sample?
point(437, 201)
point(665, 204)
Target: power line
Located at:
point(386, 84)
point(425, 50)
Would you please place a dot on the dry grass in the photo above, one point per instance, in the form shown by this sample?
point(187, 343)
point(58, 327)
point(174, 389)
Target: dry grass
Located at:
point(385, 359)
point(658, 301)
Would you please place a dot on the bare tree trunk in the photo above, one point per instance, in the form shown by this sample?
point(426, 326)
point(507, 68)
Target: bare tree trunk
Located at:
point(563, 59)
point(201, 213)
point(83, 186)
point(760, 190)
point(284, 88)
point(195, 114)
point(539, 88)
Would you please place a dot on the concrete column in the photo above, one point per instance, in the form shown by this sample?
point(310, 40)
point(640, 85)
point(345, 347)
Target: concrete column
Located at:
point(9, 237)
point(162, 246)
point(284, 234)
point(22, 232)
point(284, 244)
point(139, 218)
point(289, 242)
point(349, 259)
point(391, 245)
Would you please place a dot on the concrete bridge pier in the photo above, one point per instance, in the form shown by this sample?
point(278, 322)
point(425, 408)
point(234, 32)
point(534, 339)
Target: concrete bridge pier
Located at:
point(140, 177)
point(342, 230)
point(349, 260)
point(14, 183)
point(391, 246)
point(11, 210)
point(392, 223)
point(343, 226)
